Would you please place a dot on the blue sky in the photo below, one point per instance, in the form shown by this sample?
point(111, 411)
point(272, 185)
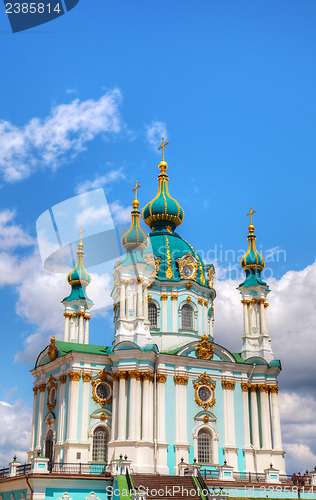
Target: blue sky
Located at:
point(83, 102)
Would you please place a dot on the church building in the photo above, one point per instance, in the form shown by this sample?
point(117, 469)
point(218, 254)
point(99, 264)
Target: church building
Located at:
point(164, 391)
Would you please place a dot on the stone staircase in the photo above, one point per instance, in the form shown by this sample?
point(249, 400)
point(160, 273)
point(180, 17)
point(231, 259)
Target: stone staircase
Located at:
point(165, 487)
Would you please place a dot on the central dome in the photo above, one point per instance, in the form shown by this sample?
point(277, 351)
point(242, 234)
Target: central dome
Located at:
point(163, 211)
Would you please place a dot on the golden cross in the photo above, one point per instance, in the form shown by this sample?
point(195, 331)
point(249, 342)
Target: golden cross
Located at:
point(163, 145)
point(135, 189)
point(80, 232)
point(250, 213)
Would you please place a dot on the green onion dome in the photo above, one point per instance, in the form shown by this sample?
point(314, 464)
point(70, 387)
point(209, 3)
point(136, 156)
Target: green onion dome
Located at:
point(135, 238)
point(252, 262)
point(79, 275)
point(163, 211)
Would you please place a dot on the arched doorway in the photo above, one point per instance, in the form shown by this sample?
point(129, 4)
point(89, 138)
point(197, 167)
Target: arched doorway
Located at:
point(100, 445)
point(204, 447)
point(49, 448)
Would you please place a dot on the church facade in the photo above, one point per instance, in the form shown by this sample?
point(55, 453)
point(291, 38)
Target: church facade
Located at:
point(165, 390)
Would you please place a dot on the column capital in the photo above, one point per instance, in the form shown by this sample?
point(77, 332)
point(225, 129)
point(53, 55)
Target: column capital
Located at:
point(67, 315)
point(161, 377)
point(81, 313)
point(253, 387)
point(266, 304)
point(245, 387)
point(174, 296)
point(147, 376)
point(228, 384)
point(42, 387)
point(87, 317)
point(135, 374)
point(261, 300)
point(62, 379)
point(123, 374)
point(274, 389)
point(263, 388)
point(245, 302)
point(200, 301)
point(35, 390)
point(86, 377)
point(139, 280)
point(164, 296)
point(206, 302)
point(180, 380)
point(74, 376)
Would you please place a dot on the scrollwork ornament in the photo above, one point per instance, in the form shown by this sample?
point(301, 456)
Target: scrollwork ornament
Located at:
point(204, 380)
point(204, 349)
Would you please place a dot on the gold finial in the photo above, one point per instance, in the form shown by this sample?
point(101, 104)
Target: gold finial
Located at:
point(53, 339)
point(163, 145)
point(80, 232)
point(137, 186)
point(250, 213)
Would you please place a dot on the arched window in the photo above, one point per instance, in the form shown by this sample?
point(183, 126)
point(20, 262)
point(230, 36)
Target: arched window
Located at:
point(204, 447)
point(49, 447)
point(187, 317)
point(100, 445)
point(152, 314)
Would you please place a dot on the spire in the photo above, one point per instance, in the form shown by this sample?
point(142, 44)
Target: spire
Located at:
point(79, 278)
point(252, 262)
point(163, 211)
point(135, 238)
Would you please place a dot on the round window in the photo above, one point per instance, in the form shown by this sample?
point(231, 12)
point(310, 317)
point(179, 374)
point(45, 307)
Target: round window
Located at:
point(204, 393)
point(103, 390)
point(52, 395)
point(187, 270)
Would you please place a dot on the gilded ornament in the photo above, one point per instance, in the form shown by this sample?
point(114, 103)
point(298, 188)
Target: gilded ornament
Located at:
point(169, 273)
point(161, 378)
point(52, 349)
point(211, 274)
point(245, 387)
point(154, 263)
point(35, 390)
point(114, 307)
point(139, 280)
point(180, 380)
point(135, 374)
point(149, 298)
point(204, 348)
point(253, 387)
point(261, 301)
point(74, 376)
point(188, 299)
point(204, 380)
point(164, 296)
point(42, 387)
point(228, 384)
point(245, 302)
point(266, 304)
point(187, 261)
point(188, 285)
point(200, 301)
point(274, 389)
point(206, 303)
point(174, 296)
point(94, 383)
point(122, 374)
point(103, 375)
point(51, 386)
point(102, 416)
point(147, 376)
point(206, 419)
point(253, 301)
point(86, 377)
point(115, 377)
point(263, 388)
point(62, 379)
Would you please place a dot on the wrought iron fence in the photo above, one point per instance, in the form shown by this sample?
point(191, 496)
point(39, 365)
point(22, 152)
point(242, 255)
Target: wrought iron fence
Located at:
point(4, 472)
point(21, 470)
point(78, 468)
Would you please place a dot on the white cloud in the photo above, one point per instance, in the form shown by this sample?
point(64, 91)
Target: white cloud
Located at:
point(15, 435)
point(120, 214)
point(11, 235)
point(100, 181)
point(47, 142)
point(154, 132)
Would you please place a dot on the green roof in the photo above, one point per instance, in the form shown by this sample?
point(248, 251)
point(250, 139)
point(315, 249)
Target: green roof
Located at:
point(66, 347)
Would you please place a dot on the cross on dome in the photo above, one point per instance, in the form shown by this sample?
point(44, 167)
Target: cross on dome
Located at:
point(250, 213)
point(162, 147)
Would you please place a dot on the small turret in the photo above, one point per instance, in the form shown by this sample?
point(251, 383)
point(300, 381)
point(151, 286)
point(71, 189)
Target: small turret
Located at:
point(77, 304)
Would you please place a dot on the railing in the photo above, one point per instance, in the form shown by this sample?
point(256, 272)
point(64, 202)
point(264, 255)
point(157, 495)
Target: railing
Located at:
point(78, 468)
point(4, 472)
point(21, 470)
point(202, 483)
point(209, 473)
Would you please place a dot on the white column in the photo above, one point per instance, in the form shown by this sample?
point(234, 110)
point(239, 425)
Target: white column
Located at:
point(114, 408)
point(266, 305)
point(254, 416)
point(246, 414)
point(276, 427)
point(205, 317)
point(229, 412)
point(265, 417)
point(261, 316)
point(147, 407)
point(174, 303)
point(32, 447)
point(80, 319)
point(181, 408)
point(66, 328)
point(86, 377)
point(122, 407)
point(86, 329)
point(161, 416)
point(40, 416)
point(164, 298)
point(200, 317)
point(73, 399)
point(138, 406)
point(61, 409)
point(146, 303)
point(133, 403)
point(245, 304)
point(139, 306)
point(122, 300)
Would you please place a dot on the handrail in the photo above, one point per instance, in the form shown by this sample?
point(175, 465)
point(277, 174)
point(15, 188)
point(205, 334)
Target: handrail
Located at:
point(202, 483)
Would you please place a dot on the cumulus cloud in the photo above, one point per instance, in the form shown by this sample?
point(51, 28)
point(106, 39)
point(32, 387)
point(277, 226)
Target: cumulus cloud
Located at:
point(62, 135)
point(12, 235)
point(154, 132)
point(100, 181)
point(14, 437)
